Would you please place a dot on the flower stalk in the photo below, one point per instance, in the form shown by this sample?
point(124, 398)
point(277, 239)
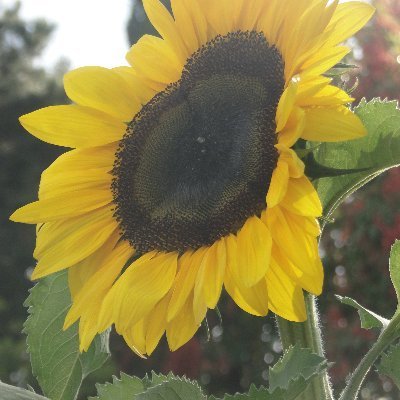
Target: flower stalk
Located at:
point(385, 339)
point(308, 335)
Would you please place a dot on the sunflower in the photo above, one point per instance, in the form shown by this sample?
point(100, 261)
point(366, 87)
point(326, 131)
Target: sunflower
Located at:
point(183, 178)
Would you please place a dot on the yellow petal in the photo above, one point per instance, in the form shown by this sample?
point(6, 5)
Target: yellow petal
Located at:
point(309, 87)
point(348, 19)
point(326, 96)
point(322, 61)
point(211, 274)
point(197, 19)
point(302, 198)
point(292, 239)
point(286, 104)
point(309, 224)
point(296, 167)
point(64, 243)
point(272, 19)
point(332, 125)
point(143, 88)
point(184, 282)
point(250, 14)
point(199, 307)
point(87, 332)
point(141, 287)
point(157, 323)
point(106, 316)
point(253, 300)
point(309, 277)
point(214, 10)
point(73, 126)
point(182, 328)
point(293, 129)
point(231, 258)
point(162, 20)
point(183, 18)
point(55, 208)
point(102, 89)
point(254, 244)
point(82, 169)
point(153, 58)
point(84, 159)
point(279, 183)
point(135, 337)
point(286, 298)
point(80, 273)
point(108, 264)
point(305, 32)
point(68, 183)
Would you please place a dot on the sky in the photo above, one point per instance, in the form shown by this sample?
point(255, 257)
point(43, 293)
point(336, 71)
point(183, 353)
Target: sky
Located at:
point(88, 32)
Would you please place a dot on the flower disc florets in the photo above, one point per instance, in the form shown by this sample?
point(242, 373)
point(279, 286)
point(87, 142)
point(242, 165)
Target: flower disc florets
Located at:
point(197, 161)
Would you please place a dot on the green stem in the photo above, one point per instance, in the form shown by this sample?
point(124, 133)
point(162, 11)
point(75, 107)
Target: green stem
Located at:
point(387, 337)
point(308, 335)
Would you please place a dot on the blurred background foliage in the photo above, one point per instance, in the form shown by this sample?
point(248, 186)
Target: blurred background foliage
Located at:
point(228, 354)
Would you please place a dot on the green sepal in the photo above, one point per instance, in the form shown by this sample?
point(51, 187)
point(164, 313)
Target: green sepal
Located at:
point(315, 170)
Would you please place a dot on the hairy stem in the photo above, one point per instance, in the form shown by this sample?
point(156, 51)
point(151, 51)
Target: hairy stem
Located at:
point(308, 335)
point(386, 338)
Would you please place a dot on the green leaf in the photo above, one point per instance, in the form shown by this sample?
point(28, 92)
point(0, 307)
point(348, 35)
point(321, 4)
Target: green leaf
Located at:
point(55, 357)
point(253, 394)
point(173, 389)
point(390, 364)
point(156, 379)
point(120, 389)
point(8, 392)
point(296, 363)
point(371, 155)
point(394, 266)
point(155, 387)
point(368, 318)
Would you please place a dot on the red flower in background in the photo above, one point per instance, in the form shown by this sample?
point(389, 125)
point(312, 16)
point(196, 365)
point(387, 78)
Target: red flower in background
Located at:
point(380, 44)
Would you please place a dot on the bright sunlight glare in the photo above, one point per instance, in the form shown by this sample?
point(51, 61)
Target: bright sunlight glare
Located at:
point(88, 32)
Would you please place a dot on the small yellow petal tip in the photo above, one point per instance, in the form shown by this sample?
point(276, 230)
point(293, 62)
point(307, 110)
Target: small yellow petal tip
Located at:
point(14, 217)
point(38, 273)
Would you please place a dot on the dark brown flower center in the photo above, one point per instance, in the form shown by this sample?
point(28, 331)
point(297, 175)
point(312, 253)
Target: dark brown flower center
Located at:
point(197, 161)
